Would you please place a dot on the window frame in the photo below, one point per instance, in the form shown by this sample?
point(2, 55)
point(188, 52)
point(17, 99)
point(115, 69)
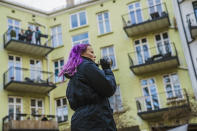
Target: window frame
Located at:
point(61, 106)
point(104, 23)
point(172, 87)
point(80, 41)
point(78, 19)
point(59, 79)
point(114, 53)
point(57, 34)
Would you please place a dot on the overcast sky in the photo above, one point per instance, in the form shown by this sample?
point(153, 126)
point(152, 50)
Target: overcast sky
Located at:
point(46, 5)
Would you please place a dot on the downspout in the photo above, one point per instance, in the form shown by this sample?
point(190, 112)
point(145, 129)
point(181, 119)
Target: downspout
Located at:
point(186, 37)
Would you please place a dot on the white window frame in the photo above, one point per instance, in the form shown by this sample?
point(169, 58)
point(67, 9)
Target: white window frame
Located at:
point(61, 106)
point(13, 25)
point(150, 93)
point(59, 69)
point(36, 106)
point(78, 19)
point(162, 42)
point(141, 47)
point(104, 22)
point(59, 42)
point(112, 46)
point(172, 87)
point(154, 4)
point(80, 41)
point(114, 98)
point(15, 104)
point(14, 62)
point(134, 10)
point(36, 69)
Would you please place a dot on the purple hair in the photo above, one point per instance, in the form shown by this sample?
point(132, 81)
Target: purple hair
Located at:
point(74, 60)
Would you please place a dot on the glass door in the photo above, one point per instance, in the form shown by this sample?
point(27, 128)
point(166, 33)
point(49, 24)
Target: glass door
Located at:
point(135, 13)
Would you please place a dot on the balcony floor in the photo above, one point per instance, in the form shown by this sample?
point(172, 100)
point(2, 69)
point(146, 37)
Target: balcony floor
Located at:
point(147, 26)
point(29, 87)
point(155, 66)
point(173, 112)
point(24, 47)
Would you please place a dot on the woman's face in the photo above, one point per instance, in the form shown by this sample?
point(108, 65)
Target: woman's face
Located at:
point(89, 53)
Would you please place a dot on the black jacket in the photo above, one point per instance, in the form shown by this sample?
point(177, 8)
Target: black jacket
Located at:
point(87, 92)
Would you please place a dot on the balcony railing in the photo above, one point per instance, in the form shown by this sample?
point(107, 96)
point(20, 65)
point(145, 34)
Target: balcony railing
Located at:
point(146, 20)
point(24, 41)
point(153, 107)
point(146, 60)
point(192, 23)
point(30, 122)
point(25, 80)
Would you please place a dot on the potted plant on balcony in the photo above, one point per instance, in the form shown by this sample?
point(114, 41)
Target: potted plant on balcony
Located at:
point(13, 34)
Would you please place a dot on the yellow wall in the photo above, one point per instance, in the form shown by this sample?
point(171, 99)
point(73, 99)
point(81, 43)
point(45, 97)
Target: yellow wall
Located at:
point(129, 83)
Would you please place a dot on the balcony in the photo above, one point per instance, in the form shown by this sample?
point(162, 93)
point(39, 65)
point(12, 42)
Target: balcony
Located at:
point(15, 40)
point(148, 60)
point(24, 80)
point(192, 23)
point(146, 20)
point(30, 123)
point(158, 106)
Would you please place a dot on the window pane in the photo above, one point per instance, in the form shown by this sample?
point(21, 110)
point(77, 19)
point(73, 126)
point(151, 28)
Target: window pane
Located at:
point(107, 26)
point(74, 21)
point(64, 101)
point(58, 102)
point(40, 103)
point(82, 17)
point(33, 103)
point(101, 27)
point(18, 100)
point(10, 100)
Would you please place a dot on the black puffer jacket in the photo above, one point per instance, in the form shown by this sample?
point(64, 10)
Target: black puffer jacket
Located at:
point(88, 91)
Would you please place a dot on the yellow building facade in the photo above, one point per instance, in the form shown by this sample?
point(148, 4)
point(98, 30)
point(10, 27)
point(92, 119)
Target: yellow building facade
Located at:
point(140, 36)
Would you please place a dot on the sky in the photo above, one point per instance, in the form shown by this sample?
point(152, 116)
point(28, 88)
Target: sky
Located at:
point(45, 5)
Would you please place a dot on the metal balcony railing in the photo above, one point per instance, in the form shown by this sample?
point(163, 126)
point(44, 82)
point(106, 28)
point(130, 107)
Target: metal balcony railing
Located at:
point(145, 15)
point(145, 55)
point(27, 75)
point(22, 35)
point(21, 79)
point(164, 100)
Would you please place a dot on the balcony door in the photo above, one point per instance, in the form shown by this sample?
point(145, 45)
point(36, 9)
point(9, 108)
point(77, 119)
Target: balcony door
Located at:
point(37, 107)
point(36, 70)
point(33, 28)
point(142, 52)
point(163, 43)
point(150, 94)
point(155, 6)
point(14, 66)
point(14, 107)
point(13, 25)
point(135, 13)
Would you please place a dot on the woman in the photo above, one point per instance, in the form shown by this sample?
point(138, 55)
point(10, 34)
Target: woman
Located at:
point(88, 90)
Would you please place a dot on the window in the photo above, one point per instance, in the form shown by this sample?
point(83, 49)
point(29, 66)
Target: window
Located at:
point(195, 8)
point(135, 13)
point(33, 28)
point(150, 94)
point(36, 70)
point(14, 107)
point(142, 51)
point(14, 65)
point(58, 66)
point(15, 26)
point(155, 6)
point(163, 43)
point(37, 106)
point(61, 110)
point(109, 52)
point(80, 39)
point(172, 86)
point(116, 101)
point(103, 21)
point(78, 19)
point(56, 36)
